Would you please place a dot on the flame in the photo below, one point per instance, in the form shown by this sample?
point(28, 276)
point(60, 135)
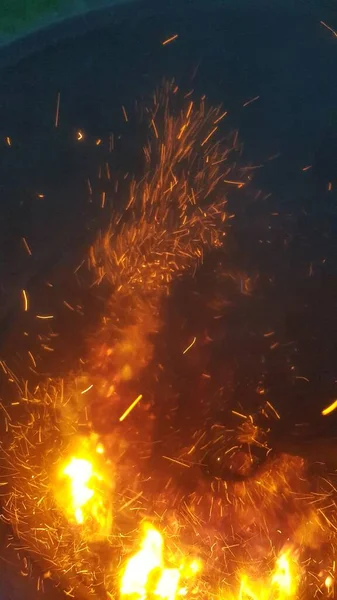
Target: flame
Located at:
point(145, 573)
point(282, 584)
point(87, 496)
point(80, 472)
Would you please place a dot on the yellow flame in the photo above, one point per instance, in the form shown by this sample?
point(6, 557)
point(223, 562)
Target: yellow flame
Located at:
point(80, 472)
point(87, 497)
point(282, 584)
point(145, 573)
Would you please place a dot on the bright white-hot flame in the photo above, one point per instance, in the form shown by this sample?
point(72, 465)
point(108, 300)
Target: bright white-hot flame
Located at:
point(80, 472)
point(145, 573)
point(149, 558)
point(283, 578)
point(282, 584)
point(86, 493)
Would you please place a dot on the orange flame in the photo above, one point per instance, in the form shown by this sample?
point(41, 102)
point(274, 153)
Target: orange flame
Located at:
point(282, 584)
point(87, 496)
point(145, 573)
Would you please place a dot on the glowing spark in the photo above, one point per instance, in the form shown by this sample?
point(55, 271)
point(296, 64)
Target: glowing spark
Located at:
point(154, 128)
point(57, 109)
point(45, 317)
point(238, 183)
point(190, 345)
point(221, 117)
point(27, 248)
point(32, 358)
point(208, 136)
point(130, 408)
point(87, 389)
point(25, 300)
point(170, 39)
point(80, 136)
point(251, 101)
point(68, 305)
point(273, 409)
point(8, 141)
point(329, 28)
point(125, 114)
point(329, 409)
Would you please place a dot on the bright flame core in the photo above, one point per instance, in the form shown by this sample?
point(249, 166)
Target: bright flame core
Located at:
point(87, 498)
point(145, 573)
point(80, 472)
point(282, 584)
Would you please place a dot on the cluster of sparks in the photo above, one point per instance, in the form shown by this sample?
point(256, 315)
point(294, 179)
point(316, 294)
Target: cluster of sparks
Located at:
point(75, 493)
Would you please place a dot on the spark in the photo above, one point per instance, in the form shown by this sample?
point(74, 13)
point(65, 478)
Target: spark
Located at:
point(67, 305)
point(224, 114)
point(45, 317)
point(8, 141)
point(25, 300)
point(329, 409)
point(251, 101)
point(57, 110)
point(231, 182)
point(87, 389)
point(125, 114)
point(130, 408)
point(170, 39)
point(80, 136)
point(329, 28)
point(208, 136)
point(27, 248)
point(190, 345)
point(32, 358)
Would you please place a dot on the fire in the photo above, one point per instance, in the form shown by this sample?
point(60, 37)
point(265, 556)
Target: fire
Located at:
point(282, 584)
point(80, 472)
point(87, 497)
point(145, 573)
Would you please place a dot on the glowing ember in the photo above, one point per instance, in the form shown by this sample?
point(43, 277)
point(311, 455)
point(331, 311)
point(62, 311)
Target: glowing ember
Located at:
point(145, 573)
